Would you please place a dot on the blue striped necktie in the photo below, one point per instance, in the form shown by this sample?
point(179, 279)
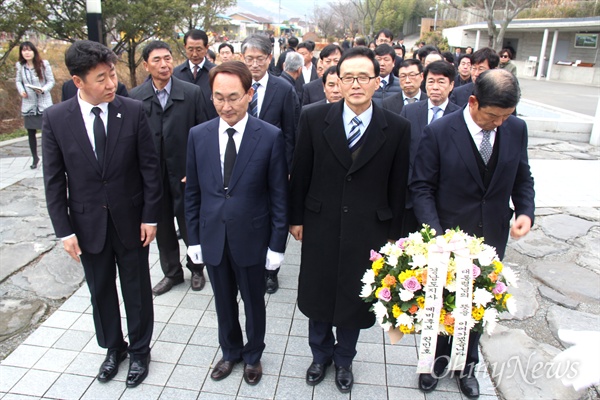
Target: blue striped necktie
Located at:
point(435, 110)
point(253, 107)
point(355, 133)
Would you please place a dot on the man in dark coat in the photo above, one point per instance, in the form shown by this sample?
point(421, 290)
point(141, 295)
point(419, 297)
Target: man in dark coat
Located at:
point(173, 107)
point(313, 91)
point(348, 187)
point(103, 192)
point(469, 167)
point(195, 68)
point(410, 78)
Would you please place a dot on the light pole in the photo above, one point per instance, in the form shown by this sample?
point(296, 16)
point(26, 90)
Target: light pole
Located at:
point(94, 21)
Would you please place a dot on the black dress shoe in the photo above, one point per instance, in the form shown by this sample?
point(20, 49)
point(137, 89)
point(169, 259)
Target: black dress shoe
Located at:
point(316, 373)
point(35, 163)
point(252, 373)
point(272, 282)
point(469, 386)
point(198, 281)
point(110, 366)
point(344, 378)
point(222, 369)
point(138, 371)
point(165, 285)
point(427, 382)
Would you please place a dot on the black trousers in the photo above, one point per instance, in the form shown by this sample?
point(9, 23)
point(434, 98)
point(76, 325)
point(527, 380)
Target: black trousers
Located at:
point(444, 348)
point(226, 278)
point(323, 344)
point(166, 236)
point(134, 274)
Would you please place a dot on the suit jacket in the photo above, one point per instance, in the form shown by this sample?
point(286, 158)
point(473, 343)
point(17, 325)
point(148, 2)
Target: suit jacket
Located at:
point(289, 79)
point(79, 193)
point(383, 93)
point(183, 72)
point(251, 214)
point(447, 188)
point(300, 81)
point(312, 92)
point(460, 95)
point(70, 90)
point(418, 115)
point(347, 207)
point(185, 109)
point(281, 107)
point(395, 102)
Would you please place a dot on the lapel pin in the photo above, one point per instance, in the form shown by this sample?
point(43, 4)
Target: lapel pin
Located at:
point(118, 115)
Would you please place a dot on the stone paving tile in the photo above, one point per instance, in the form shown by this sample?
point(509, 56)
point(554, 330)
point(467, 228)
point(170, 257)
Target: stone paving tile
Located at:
point(187, 377)
point(178, 394)
point(175, 333)
point(74, 340)
point(228, 386)
point(56, 360)
point(292, 389)
point(205, 336)
point(10, 376)
point(367, 372)
point(109, 390)
point(76, 304)
point(167, 352)
point(142, 392)
point(275, 343)
point(265, 389)
point(61, 319)
point(86, 364)
point(159, 373)
point(84, 323)
point(186, 316)
point(403, 355)
point(25, 356)
point(198, 356)
point(35, 382)
point(163, 313)
point(69, 387)
point(44, 336)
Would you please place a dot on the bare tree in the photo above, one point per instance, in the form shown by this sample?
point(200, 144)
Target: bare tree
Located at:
point(325, 21)
point(509, 9)
point(204, 13)
point(16, 19)
point(367, 11)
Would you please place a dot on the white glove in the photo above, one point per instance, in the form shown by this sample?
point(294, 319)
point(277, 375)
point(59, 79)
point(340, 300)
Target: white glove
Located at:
point(274, 260)
point(580, 361)
point(195, 254)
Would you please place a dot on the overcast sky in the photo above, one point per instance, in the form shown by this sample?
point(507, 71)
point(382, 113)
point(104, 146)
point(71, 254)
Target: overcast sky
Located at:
point(289, 8)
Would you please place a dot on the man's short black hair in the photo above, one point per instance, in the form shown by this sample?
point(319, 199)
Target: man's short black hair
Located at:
point(355, 52)
point(488, 54)
point(84, 55)
point(223, 45)
point(440, 68)
point(386, 32)
point(311, 45)
point(360, 41)
point(448, 56)
point(329, 50)
point(497, 88)
point(304, 45)
point(385, 49)
point(469, 56)
point(329, 71)
point(293, 42)
point(154, 45)
point(411, 61)
point(196, 34)
point(425, 51)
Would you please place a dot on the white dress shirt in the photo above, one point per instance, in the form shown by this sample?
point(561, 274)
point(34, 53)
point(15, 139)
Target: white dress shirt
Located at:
point(261, 91)
point(89, 117)
point(475, 130)
point(365, 118)
point(240, 127)
point(440, 112)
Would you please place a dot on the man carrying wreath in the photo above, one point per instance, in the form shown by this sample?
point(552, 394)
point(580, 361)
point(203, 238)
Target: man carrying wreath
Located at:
point(469, 165)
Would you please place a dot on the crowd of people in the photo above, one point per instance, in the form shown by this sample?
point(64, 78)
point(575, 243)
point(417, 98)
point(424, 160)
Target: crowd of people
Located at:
point(344, 152)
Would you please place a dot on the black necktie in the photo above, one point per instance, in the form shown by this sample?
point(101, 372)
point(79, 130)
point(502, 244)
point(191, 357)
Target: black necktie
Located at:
point(99, 136)
point(230, 154)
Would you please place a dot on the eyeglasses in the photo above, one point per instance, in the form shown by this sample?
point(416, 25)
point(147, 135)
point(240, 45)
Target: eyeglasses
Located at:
point(222, 100)
point(192, 50)
point(479, 69)
point(259, 60)
point(411, 76)
point(504, 56)
point(362, 80)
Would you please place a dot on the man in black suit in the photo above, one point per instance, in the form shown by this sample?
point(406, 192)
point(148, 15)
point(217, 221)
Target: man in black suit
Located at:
point(385, 36)
point(385, 54)
point(469, 167)
point(410, 78)
point(344, 150)
point(103, 190)
point(313, 91)
point(439, 81)
point(482, 60)
point(236, 209)
point(309, 70)
point(274, 101)
point(463, 70)
point(173, 107)
point(195, 68)
point(331, 87)
point(292, 43)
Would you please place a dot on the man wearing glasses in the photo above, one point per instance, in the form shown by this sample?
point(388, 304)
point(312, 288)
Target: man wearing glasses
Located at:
point(348, 188)
point(274, 101)
point(195, 68)
point(483, 59)
point(410, 78)
point(236, 210)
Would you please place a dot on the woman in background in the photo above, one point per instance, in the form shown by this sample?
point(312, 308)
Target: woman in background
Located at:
point(34, 82)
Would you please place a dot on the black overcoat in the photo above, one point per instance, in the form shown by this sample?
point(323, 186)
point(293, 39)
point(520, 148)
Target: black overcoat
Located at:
point(346, 207)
